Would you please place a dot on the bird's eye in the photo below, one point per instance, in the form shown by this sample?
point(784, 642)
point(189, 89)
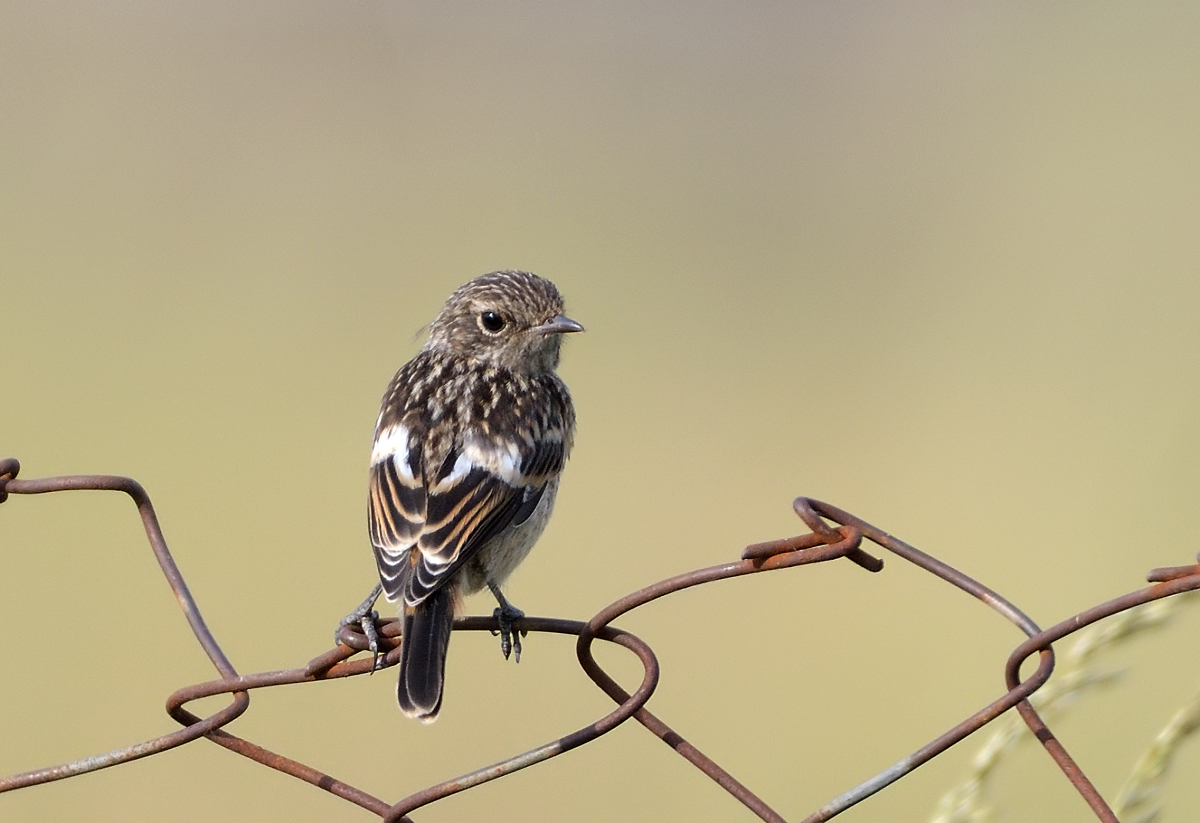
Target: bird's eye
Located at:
point(491, 322)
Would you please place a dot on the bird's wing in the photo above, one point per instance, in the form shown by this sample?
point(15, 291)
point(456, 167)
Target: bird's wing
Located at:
point(396, 504)
point(479, 489)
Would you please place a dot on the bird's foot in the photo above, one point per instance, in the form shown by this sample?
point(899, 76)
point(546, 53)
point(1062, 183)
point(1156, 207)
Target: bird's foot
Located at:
point(510, 641)
point(365, 616)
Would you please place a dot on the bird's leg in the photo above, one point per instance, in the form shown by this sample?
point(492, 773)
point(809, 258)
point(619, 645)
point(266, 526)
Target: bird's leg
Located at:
point(506, 613)
point(365, 616)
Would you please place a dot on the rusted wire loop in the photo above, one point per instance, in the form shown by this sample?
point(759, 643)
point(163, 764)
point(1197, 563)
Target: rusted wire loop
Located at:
point(1041, 641)
point(327, 666)
point(624, 710)
point(844, 541)
point(804, 550)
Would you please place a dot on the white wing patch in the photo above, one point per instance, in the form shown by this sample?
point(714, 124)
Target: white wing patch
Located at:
point(502, 460)
point(462, 467)
point(393, 442)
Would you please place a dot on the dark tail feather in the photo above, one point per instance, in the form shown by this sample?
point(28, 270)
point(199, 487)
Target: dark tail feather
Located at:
point(426, 636)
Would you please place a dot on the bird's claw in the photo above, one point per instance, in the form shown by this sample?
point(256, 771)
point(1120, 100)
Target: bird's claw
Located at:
point(366, 622)
point(365, 617)
point(510, 641)
point(368, 626)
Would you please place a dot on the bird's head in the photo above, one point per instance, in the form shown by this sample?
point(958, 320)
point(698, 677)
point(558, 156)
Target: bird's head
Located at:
point(511, 319)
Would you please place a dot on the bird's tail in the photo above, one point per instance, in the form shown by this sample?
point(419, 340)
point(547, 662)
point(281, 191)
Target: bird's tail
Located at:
point(425, 639)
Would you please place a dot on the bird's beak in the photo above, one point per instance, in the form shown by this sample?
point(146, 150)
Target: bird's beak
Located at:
point(559, 324)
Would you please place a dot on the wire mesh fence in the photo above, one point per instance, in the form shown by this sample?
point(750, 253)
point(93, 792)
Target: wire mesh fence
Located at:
point(833, 534)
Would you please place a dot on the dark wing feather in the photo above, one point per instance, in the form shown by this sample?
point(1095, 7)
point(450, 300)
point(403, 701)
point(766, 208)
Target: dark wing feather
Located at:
point(544, 460)
point(395, 517)
point(463, 516)
point(421, 537)
point(460, 521)
point(533, 496)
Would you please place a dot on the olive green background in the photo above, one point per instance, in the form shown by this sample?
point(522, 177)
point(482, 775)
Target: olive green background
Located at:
point(938, 264)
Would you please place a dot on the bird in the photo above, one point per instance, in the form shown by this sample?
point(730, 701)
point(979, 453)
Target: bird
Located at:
point(472, 437)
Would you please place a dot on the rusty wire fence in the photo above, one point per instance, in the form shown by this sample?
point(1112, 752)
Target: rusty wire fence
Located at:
point(833, 534)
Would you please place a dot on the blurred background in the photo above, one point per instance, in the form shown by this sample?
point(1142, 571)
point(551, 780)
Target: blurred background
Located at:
point(937, 264)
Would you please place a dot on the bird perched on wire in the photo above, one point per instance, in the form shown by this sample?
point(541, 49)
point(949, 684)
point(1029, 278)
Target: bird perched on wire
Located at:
point(471, 440)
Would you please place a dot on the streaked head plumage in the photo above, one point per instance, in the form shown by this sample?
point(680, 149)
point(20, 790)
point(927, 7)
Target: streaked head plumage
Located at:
point(511, 319)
